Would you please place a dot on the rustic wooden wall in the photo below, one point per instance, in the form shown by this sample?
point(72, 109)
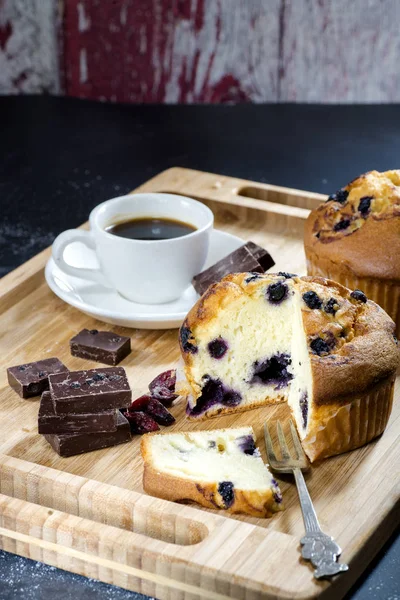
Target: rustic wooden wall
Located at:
point(203, 50)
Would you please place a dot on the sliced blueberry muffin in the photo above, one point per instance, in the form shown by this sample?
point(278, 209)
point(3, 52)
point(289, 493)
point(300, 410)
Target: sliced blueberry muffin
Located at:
point(217, 469)
point(331, 353)
point(354, 238)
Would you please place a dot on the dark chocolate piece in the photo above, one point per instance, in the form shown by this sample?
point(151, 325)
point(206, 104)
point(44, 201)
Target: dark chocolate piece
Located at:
point(50, 422)
point(262, 255)
point(31, 379)
point(78, 443)
point(90, 391)
point(248, 258)
point(102, 346)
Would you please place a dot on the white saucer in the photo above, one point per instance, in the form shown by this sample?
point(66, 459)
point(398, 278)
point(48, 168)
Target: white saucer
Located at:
point(107, 305)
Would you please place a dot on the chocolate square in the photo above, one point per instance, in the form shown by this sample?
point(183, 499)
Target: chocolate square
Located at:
point(262, 255)
point(102, 346)
point(247, 258)
point(31, 379)
point(78, 443)
point(90, 391)
point(50, 422)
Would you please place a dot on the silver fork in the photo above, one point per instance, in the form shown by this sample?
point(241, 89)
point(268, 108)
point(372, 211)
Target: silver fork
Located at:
point(318, 547)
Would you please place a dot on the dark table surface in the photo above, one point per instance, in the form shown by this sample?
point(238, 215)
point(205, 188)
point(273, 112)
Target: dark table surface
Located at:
point(60, 157)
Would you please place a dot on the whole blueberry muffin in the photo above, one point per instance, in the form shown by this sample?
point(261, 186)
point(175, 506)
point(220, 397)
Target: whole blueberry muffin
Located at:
point(330, 353)
point(354, 238)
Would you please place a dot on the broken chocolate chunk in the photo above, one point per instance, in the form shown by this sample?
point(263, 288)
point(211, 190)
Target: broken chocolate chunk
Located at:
point(31, 379)
point(247, 258)
point(78, 443)
point(260, 254)
point(71, 392)
point(50, 422)
point(101, 346)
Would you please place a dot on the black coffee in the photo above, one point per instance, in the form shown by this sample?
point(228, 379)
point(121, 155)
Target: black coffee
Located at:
point(150, 228)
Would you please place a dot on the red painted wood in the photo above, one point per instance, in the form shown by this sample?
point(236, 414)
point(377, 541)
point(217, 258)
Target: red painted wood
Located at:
point(172, 50)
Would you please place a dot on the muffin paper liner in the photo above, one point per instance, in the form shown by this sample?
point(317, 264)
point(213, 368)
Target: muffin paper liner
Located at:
point(338, 429)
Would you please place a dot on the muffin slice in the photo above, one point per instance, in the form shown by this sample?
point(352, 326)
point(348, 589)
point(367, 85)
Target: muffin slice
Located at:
point(217, 469)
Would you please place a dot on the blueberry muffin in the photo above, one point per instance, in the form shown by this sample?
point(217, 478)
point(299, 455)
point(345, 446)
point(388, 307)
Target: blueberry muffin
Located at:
point(254, 339)
point(217, 469)
point(354, 238)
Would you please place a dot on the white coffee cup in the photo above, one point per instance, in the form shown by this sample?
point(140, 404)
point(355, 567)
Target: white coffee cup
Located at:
point(145, 271)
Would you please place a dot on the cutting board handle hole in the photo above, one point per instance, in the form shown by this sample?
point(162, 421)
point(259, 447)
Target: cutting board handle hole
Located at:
point(278, 197)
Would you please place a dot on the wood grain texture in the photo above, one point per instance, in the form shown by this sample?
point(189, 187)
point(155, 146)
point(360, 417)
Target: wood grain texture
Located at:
point(340, 51)
point(162, 51)
point(194, 51)
point(247, 50)
point(29, 47)
point(88, 513)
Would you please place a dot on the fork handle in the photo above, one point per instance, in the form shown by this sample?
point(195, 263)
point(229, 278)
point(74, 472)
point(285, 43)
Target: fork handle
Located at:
point(318, 547)
point(310, 519)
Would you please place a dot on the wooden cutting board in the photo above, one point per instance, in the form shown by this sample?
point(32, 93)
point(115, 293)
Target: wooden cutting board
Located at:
point(88, 514)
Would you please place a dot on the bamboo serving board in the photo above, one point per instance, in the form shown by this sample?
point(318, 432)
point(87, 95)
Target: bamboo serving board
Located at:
point(88, 514)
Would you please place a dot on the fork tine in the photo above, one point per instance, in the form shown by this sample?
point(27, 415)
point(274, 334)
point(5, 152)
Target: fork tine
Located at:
point(282, 442)
point(268, 444)
point(296, 441)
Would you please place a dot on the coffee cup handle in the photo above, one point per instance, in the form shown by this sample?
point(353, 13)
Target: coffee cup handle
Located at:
point(69, 237)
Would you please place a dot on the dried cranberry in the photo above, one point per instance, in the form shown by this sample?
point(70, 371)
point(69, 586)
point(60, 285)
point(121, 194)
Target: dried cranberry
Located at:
point(140, 422)
point(159, 413)
point(163, 387)
point(140, 403)
point(166, 379)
